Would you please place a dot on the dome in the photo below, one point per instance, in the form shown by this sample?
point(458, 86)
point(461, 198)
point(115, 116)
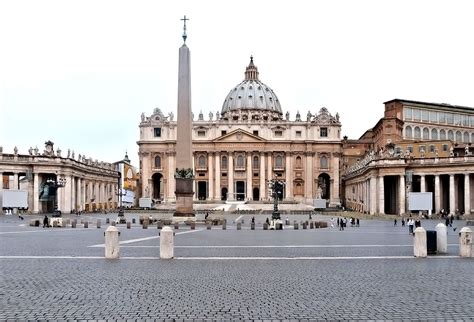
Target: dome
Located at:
point(251, 94)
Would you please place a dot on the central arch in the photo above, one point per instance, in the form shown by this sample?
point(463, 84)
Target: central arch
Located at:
point(157, 180)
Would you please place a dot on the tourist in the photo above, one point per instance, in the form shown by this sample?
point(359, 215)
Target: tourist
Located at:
point(410, 226)
point(253, 219)
point(45, 221)
point(332, 222)
point(357, 222)
point(403, 222)
point(395, 222)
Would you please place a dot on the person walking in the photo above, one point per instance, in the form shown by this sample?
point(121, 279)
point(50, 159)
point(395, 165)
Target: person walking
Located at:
point(410, 226)
point(395, 222)
point(45, 221)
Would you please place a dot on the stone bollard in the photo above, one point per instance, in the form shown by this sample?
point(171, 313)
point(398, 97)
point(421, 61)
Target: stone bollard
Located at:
point(129, 225)
point(305, 225)
point(193, 225)
point(239, 226)
point(86, 224)
point(133, 220)
point(419, 243)
point(98, 223)
point(208, 226)
point(295, 226)
point(311, 225)
point(465, 242)
point(441, 238)
point(166, 243)
point(73, 224)
point(176, 225)
point(145, 224)
point(252, 226)
point(224, 225)
point(112, 247)
point(113, 223)
point(107, 220)
point(265, 226)
point(159, 225)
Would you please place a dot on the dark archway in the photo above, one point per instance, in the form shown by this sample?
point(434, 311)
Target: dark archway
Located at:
point(202, 190)
point(158, 186)
point(224, 193)
point(324, 187)
point(256, 194)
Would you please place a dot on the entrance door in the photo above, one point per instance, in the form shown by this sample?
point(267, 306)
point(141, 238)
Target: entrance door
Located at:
point(256, 194)
point(240, 190)
point(224, 194)
point(202, 190)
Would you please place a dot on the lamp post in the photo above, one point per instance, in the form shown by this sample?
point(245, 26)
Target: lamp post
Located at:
point(277, 191)
point(121, 216)
point(55, 183)
point(408, 183)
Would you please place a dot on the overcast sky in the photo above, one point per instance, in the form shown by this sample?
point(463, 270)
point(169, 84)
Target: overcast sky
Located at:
point(80, 73)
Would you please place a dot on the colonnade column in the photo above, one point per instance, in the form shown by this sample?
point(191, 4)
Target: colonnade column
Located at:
point(402, 194)
point(210, 176)
point(335, 173)
point(73, 193)
point(15, 181)
point(381, 195)
point(230, 176)
point(288, 183)
point(144, 157)
point(269, 168)
point(437, 194)
point(169, 194)
point(452, 204)
point(309, 176)
point(218, 176)
point(35, 193)
point(67, 195)
point(422, 183)
point(263, 190)
point(249, 176)
point(467, 194)
point(78, 195)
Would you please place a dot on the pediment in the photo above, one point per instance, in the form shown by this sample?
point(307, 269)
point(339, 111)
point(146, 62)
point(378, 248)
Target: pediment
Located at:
point(239, 136)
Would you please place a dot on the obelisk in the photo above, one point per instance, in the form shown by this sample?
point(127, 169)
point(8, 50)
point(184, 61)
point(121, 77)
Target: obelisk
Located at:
point(184, 172)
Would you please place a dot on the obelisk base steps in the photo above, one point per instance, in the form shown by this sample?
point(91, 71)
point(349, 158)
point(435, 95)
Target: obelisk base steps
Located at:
point(184, 198)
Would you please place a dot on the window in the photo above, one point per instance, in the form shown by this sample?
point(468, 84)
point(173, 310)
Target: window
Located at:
point(202, 174)
point(432, 148)
point(466, 137)
point(202, 161)
point(223, 132)
point(425, 115)
point(157, 132)
point(410, 149)
point(298, 162)
point(458, 136)
point(417, 133)
point(421, 148)
point(255, 133)
point(416, 114)
point(472, 137)
point(255, 164)
point(278, 133)
point(408, 132)
point(279, 161)
point(433, 117)
point(442, 135)
point(451, 135)
point(240, 161)
point(224, 163)
point(201, 133)
point(426, 134)
point(434, 134)
point(408, 113)
point(298, 134)
point(457, 119)
point(323, 132)
point(449, 118)
point(442, 117)
point(445, 147)
point(224, 174)
point(323, 162)
point(157, 162)
point(465, 120)
point(255, 174)
point(472, 120)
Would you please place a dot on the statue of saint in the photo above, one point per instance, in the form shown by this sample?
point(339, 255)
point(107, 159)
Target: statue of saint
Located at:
point(319, 193)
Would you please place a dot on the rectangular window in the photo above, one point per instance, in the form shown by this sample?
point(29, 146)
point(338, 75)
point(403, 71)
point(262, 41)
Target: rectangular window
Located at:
point(157, 132)
point(433, 117)
point(323, 132)
point(442, 117)
point(407, 113)
point(223, 132)
point(465, 120)
point(202, 174)
point(457, 119)
point(416, 114)
point(255, 133)
point(298, 134)
point(449, 118)
point(255, 174)
point(425, 115)
point(410, 148)
point(278, 133)
point(445, 147)
point(432, 148)
point(201, 133)
point(421, 148)
point(224, 174)
point(472, 120)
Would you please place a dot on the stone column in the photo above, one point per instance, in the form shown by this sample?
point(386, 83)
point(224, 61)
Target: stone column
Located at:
point(249, 194)
point(452, 204)
point(467, 194)
point(288, 171)
point(218, 176)
point(1, 188)
point(230, 177)
point(269, 168)
point(171, 183)
point(401, 192)
point(422, 183)
point(15, 181)
point(145, 158)
point(437, 194)
point(210, 176)
point(381, 196)
point(67, 195)
point(335, 174)
point(73, 193)
point(35, 193)
point(78, 199)
point(309, 177)
point(263, 186)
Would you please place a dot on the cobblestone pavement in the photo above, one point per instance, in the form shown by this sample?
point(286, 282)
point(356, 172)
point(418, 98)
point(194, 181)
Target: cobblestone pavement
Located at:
point(362, 273)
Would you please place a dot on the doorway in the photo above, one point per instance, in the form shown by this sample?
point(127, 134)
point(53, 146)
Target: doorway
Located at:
point(240, 190)
point(202, 190)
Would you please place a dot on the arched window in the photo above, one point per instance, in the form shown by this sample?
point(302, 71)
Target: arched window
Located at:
point(157, 162)
point(442, 135)
point(323, 162)
point(426, 134)
point(458, 136)
point(434, 134)
point(240, 161)
point(279, 161)
point(202, 161)
point(255, 164)
point(451, 135)
point(466, 137)
point(224, 163)
point(472, 137)
point(417, 133)
point(298, 162)
point(408, 132)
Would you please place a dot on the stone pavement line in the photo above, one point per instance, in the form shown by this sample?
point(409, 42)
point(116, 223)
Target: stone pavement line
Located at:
point(235, 258)
point(147, 238)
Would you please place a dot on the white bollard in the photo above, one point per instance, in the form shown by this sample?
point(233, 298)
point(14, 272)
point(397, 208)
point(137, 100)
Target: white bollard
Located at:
point(465, 242)
point(441, 238)
point(419, 243)
point(166, 243)
point(112, 248)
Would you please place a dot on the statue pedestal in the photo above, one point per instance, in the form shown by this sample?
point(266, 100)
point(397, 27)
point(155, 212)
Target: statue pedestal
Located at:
point(184, 197)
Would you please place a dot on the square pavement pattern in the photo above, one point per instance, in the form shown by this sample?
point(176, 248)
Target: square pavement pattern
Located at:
point(361, 273)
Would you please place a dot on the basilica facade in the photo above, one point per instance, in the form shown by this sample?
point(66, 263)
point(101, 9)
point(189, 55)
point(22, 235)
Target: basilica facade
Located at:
point(243, 147)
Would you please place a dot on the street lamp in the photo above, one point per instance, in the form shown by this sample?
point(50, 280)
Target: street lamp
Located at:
point(277, 192)
point(121, 215)
point(55, 183)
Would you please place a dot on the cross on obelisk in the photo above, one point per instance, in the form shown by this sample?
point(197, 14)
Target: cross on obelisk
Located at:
point(184, 28)
point(184, 163)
